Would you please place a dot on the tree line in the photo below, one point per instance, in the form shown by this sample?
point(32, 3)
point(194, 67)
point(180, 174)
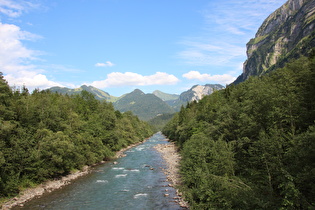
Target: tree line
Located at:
point(251, 145)
point(45, 135)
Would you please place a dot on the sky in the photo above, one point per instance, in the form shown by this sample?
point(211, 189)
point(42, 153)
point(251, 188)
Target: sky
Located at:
point(120, 45)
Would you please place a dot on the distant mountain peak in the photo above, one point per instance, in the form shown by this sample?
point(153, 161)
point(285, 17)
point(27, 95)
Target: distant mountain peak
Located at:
point(197, 92)
point(145, 106)
point(138, 91)
point(99, 94)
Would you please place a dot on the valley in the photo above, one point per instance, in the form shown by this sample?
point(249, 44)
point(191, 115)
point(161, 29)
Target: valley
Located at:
point(146, 106)
point(247, 145)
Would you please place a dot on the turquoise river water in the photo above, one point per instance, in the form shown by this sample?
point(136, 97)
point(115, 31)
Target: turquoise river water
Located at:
point(129, 184)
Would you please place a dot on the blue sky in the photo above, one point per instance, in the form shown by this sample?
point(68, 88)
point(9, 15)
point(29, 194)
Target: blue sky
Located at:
point(121, 45)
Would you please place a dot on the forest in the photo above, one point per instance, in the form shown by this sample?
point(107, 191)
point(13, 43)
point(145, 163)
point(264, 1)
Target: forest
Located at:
point(45, 135)
point(251, 145)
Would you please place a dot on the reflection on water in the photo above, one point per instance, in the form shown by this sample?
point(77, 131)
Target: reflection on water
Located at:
point(135, 182)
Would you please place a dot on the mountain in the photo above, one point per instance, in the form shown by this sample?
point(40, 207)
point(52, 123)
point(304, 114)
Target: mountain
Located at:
point(99, 94)
point(165, 96)
point(195, 93)
point(286, 34)
point(145, 106)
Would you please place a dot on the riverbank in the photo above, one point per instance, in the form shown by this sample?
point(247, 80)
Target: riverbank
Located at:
point(121, 152)
point(172, 158)
point(51, 185)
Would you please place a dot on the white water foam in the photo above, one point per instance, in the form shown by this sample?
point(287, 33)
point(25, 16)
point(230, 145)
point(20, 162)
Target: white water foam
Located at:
point(121, 175)
point(116, 168)
point(140, 148)
point(132, 170)
point(140, 195)
point(102, 181)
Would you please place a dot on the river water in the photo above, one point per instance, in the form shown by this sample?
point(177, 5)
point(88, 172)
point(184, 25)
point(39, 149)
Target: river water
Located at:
point(135, 182)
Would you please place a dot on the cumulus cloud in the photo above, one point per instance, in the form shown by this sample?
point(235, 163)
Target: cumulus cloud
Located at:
point(12, 50)
point(31, 80)
point(106, 64)
point(118, 79)
point(15, 59)
point(15, 56)
point(222, 79)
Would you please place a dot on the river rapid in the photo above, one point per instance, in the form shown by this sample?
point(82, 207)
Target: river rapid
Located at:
point(135, 181)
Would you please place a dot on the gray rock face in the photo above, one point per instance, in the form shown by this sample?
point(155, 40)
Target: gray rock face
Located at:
point(197, 92)
point(286, 34)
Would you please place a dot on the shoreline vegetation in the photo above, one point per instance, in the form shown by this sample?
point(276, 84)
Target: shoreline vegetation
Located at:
point(251, 145)
point(172, 158)
point(52, 185)
point(45, 135)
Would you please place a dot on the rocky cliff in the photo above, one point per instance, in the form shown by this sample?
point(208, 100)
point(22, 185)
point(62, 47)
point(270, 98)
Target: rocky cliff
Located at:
point(195, 93)
point(286, 34)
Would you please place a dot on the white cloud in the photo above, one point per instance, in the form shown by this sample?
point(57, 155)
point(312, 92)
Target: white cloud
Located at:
point(228, 26)
point(15, 59)
point(31, 80)
point(201, 53)
point(240, 17)
point(15, 8)
point(118, 79)
point(106, 64)
point(12, 49)
point(222, 79)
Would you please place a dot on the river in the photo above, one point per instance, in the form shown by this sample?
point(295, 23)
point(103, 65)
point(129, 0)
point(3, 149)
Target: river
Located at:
point(135, 181)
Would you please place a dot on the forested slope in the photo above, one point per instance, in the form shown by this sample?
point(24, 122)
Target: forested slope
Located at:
point(45, 135)
point(251, 146)
point(145, 106)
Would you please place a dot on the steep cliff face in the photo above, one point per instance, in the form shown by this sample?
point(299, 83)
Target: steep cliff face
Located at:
point(287, 33)
point(197, 92)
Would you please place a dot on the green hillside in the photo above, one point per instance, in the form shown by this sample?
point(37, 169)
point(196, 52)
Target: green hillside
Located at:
point(46, 135)
point(251, 146)
point(145, 106)
point(165, 96)
point(160, 121)
point(99, 94)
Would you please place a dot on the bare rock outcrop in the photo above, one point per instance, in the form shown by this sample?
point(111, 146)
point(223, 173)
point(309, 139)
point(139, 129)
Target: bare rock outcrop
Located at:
point(286, 34)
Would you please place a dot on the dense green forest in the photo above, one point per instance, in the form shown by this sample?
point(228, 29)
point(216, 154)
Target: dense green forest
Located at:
point(251, 145)
point(145, 106)
point(160, 121)
point(44, 135)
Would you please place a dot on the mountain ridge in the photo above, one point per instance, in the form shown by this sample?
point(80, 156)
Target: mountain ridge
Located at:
point(286, 34)
point(99, 94)
point(165, 96)
point(145, 106)
point(195, 93)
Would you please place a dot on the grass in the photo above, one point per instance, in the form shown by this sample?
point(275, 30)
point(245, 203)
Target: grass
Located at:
point(258, 39)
